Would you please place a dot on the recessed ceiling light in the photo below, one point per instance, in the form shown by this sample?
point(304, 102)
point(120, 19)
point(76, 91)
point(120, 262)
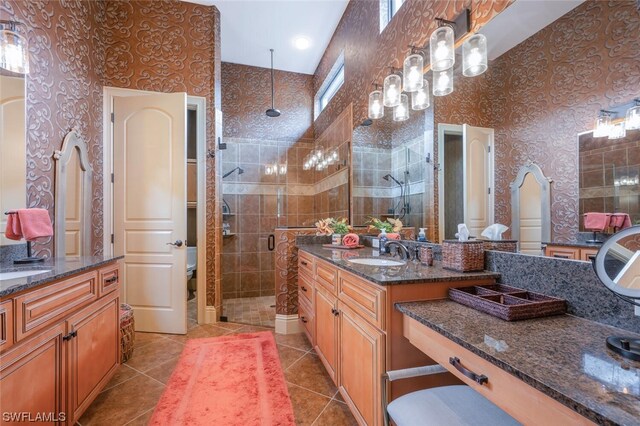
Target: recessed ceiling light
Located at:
point(301, 43)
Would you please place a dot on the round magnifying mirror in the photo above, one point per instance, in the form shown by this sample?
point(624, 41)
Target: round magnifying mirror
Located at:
point(617, 265)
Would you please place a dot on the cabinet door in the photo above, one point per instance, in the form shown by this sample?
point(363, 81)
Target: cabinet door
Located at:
point(326, 331)
point(588, 254)
point(361, 366)
point(34, 375)
point(6, 325)
point(93, 352)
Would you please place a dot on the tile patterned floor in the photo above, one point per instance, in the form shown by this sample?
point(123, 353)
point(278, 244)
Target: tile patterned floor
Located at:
point(251, 310)
point(131, 395)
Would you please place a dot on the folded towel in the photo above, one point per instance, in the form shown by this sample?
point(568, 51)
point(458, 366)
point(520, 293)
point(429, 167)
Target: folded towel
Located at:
point(13, 231)
point(596, 221)
point(30, 224)
point(620, 221)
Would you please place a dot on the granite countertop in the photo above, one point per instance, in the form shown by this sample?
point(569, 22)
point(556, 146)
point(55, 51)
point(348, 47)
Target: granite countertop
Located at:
point(564, 356)
point(55, 269)
point(574, 244)
point(409, 273)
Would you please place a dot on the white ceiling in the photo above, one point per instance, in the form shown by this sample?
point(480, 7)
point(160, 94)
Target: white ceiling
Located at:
point(521, 20)
point(251, 27)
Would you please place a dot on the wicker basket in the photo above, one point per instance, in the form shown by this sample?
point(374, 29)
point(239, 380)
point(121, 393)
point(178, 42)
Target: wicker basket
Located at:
point(127, 333)
point(463, 256)
point(501, 245)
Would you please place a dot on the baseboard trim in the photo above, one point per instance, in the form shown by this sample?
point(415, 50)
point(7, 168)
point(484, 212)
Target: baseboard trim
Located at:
point(210, 315)
point(287, 324)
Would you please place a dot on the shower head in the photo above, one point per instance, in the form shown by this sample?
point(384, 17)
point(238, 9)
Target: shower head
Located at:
point(388, 176)
point(239, 169)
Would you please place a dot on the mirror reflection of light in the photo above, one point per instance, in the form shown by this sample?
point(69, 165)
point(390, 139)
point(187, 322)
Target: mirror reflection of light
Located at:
point(611, 374)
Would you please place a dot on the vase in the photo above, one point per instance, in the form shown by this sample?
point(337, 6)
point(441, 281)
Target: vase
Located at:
point(336, 239)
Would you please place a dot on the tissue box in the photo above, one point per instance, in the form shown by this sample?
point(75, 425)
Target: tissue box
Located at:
point(463, 256)
point(501, 245)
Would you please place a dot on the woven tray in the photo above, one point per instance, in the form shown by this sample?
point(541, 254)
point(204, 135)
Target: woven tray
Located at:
point(508, 303)
point(341, 247)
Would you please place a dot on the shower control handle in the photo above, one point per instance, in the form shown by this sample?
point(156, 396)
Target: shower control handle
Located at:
point(178, 243)
point(271, 242)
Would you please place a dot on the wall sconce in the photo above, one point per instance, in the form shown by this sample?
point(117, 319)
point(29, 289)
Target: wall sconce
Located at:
point(603, 124)
point(14, 50)
point(442, 48)
point(632, 120)
point(420, 98)
point(376, 106)
point(401, 112)
point(474, 56)
point(392, 88)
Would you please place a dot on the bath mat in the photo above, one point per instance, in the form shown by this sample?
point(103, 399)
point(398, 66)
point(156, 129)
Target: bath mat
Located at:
point(228, 380)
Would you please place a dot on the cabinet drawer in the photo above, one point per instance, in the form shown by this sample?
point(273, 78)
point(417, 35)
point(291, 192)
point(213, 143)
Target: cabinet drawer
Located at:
point(327, 275)
point(523, 402)
point(41, 307)
point(305, 263)
point(305, 313)
point(363, 297)
point(563, 252)
point(109, 279)
point(588, 254)
point(6, 324)
point(305, 289)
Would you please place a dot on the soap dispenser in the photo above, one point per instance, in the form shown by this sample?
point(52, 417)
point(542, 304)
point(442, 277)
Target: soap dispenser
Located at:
point(383, 241)
point(422, 236)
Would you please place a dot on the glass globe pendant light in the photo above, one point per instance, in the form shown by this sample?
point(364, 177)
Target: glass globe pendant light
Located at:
point(412, 73)
point(617, 130)
point(420, 98)
point(401, 112)
point(14, 51)
point(392, 89)
point(441, 48)
point(474, 56)
point(443, 82)
point(603, 124)
point(632, 120)
point(376, 106)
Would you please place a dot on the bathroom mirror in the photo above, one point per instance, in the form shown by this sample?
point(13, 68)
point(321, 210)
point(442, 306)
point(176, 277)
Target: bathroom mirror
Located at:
point(13, 165)
point(73, 198)
point(617, 265)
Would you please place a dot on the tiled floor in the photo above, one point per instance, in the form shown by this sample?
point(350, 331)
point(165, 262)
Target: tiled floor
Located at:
point(251, 310)
point(130, 397)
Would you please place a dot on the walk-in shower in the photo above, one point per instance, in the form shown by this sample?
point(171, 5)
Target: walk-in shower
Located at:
point(402, 207)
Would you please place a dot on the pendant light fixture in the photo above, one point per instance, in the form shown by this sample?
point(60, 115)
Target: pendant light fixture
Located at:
point(14, 51)
point(420, 98)
point(443, 82)
point(441, 48)
point(392, 89)
point(474, 56)
point(603, 124)
point(632, 120)
point(401, 111)
point(376, 106)
point(412, 72)
point(272, 112)
point(617, 130)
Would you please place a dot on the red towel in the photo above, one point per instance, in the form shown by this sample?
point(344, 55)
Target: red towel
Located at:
point(620, 221)
point(29, 224)
point(596, 221)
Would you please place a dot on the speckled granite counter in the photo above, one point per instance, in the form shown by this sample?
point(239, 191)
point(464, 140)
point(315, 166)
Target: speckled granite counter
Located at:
point(584, 245)
point(406, 274)
point(55, 269)
point(564, 356)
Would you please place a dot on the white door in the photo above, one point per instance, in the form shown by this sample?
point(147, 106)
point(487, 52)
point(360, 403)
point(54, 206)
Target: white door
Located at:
point(530, 216)
point(150, 183)
point(477, 179)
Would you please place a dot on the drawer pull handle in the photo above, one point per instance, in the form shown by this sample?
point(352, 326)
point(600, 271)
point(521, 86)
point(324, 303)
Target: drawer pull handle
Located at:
point(303, 319)
point(71, 335)
point(561, 256)
point(478, 378)
point(303, 288)
point(335, 312)
point(303, 263)
point(111, 280)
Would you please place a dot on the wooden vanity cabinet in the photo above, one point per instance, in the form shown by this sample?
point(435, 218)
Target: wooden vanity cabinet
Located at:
point(59, 365)
point(569, 252)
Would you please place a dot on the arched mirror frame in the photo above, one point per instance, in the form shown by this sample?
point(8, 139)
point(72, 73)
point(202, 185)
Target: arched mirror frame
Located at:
point(72, 142)
point(545, 190)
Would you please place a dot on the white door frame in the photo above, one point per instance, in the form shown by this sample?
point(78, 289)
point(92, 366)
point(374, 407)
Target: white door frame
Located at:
point(200, 104)
point(457, 129)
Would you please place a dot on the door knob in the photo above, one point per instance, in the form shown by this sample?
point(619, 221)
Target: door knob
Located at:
point(178, 243)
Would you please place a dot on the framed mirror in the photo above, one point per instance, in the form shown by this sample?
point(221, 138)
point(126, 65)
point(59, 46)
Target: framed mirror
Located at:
point(13, 164)
point(73, 198)
point(617, 265)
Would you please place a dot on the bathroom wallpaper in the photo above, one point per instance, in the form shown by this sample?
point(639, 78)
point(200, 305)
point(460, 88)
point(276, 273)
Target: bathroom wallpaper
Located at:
point(170, 46)
point(64, 91)
point(369, 53)
point(246, 95)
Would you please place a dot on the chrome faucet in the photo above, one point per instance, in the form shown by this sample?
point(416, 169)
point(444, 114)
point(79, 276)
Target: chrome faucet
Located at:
point(403, 249)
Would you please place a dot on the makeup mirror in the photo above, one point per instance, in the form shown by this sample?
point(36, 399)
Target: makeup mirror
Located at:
point(617, 265)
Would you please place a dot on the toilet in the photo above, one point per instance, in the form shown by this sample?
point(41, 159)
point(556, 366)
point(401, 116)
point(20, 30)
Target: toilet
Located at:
point(192, 262)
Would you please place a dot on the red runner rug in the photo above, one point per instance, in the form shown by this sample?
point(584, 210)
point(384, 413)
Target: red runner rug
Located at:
point(229, 380)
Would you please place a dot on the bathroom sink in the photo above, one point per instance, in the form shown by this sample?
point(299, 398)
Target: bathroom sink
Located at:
point(377, 262)
point(21, 274)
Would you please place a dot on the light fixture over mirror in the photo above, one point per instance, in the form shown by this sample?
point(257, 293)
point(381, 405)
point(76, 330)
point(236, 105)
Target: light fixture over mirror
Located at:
point(412, 73)
point(392, 89)
point(441, 48)
point(632, 120)
point(474, 56)
point(14, 51)
point(443, 82)
point(617, 130)
point(603, 124)
point(376, 107)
